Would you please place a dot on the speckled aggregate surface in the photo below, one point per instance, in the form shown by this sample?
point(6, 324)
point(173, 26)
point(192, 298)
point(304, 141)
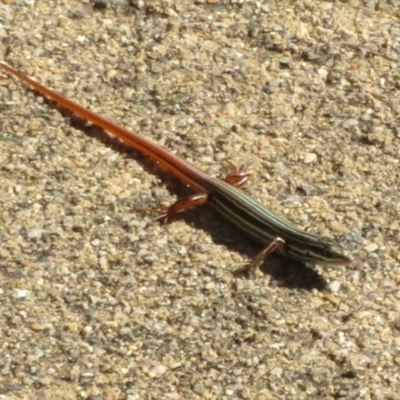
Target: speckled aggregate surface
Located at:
point(97, 301)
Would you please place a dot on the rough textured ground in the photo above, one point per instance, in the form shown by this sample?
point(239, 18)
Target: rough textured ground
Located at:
point(99, 302)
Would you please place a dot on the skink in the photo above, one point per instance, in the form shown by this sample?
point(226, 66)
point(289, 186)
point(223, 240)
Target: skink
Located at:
point(273, 232)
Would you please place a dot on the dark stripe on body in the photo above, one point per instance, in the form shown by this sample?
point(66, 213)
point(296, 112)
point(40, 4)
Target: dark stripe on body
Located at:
point(262, 225)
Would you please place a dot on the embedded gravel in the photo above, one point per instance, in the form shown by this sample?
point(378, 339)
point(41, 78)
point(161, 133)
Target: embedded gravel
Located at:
point(98, 301)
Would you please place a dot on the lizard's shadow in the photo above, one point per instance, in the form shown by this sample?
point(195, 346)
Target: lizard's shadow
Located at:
point(286, 272)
